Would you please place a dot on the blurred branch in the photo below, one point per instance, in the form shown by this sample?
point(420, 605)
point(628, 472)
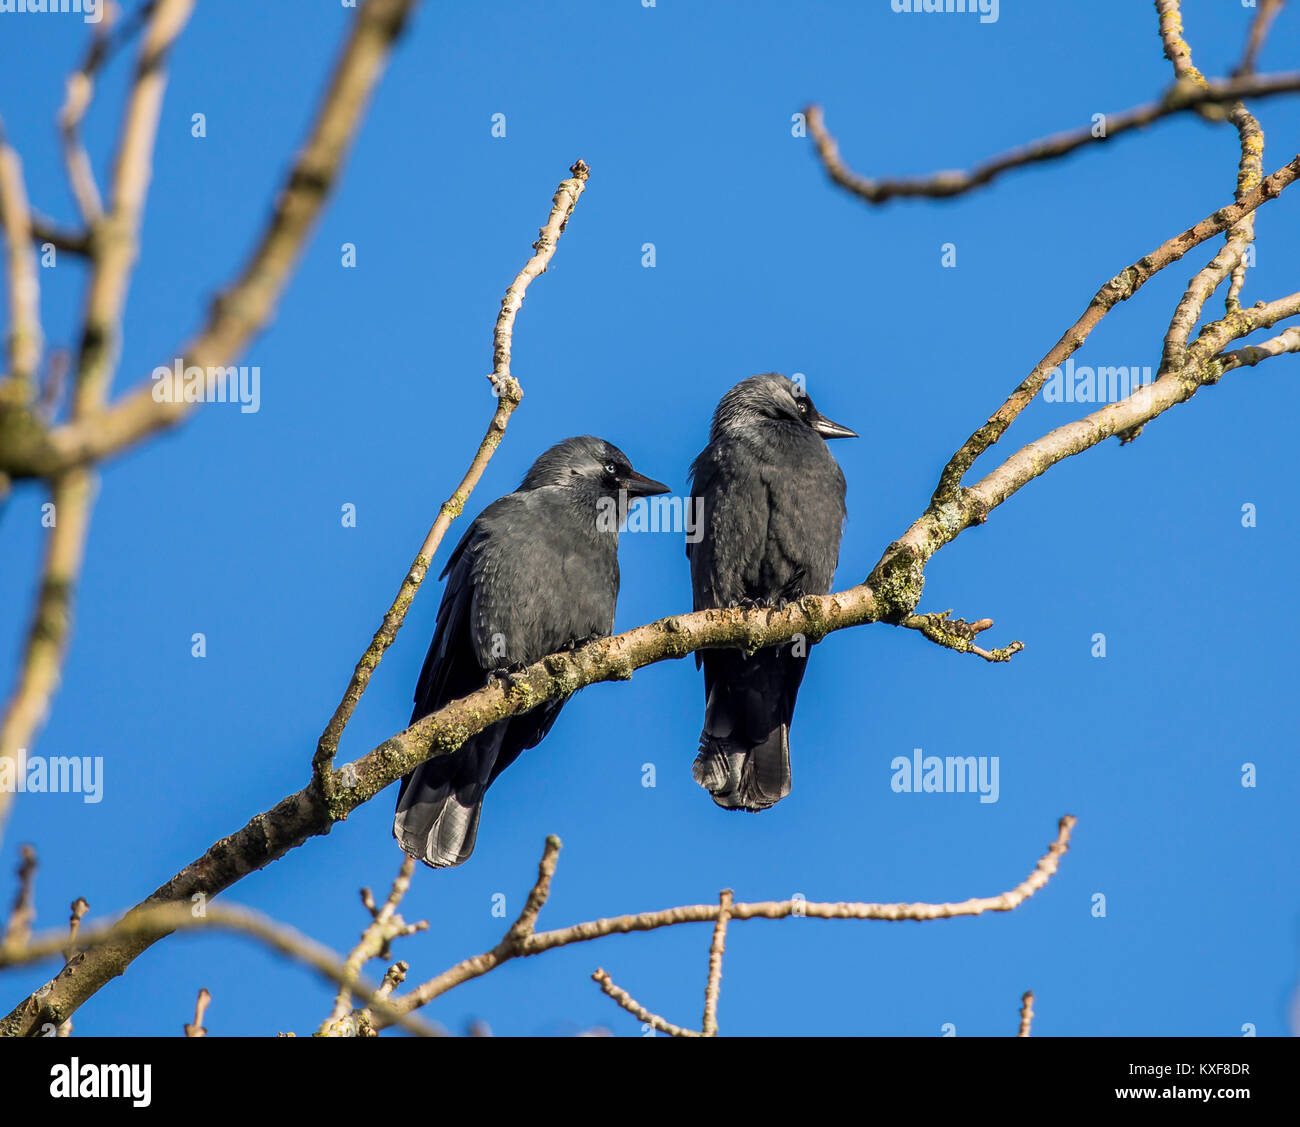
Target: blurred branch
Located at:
point(1265, 13)
point(1026, 1013)
point(195, 1028)
point(25, 339)
point(51, 626)
point(246, 307)
point(162, 919)
point(19, 928)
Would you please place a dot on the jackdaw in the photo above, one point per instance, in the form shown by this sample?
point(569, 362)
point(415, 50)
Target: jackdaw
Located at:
point(535, 573)
point(772, 513)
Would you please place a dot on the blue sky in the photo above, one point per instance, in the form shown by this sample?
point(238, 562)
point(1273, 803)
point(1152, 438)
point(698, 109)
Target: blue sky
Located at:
point(372, 393)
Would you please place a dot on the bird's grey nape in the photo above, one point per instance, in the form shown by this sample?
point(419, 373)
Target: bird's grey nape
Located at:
point(771, 398)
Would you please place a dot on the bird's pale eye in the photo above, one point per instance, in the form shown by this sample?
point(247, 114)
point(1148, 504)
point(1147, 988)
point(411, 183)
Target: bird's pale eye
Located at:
point(610, 468)
point(802, 404)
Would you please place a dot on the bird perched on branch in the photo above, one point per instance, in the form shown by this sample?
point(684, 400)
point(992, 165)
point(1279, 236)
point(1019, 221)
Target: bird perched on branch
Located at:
point(772, 501)
point(535, 573)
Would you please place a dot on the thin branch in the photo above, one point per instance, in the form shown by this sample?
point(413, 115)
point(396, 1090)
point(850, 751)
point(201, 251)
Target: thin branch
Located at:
point(195, 1028)
point(19, 928)
point(118, 233)
point(716, 950)
point(1176, 49)
point(1252, 354)
point(1120, 288)
point(534, 943)
point(47, 637)
point(246, 307)
point(78, 913)
point(508, 393)
point(1265, 13)
point(943, 185)
point(385, 926)
point(638, 1011)
point(1026, 1013)
point(1230, 260)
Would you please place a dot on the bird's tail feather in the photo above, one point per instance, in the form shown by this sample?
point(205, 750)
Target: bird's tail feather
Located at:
point(744, 756)
point(745, 778)
point(440, 801)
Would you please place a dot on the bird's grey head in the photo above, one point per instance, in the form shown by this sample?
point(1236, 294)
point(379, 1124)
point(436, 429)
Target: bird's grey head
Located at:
point(592, 467)
point(771, 398)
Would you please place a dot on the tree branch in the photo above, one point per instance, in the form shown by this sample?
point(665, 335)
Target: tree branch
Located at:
point(944, 185)
point(508, 393)
point(1026, 1013)
point(534, 943)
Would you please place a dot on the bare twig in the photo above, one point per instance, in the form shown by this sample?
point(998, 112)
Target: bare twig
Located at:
point(637, 1010)
point(716, 950)
point(19, 927)
point(521, 945)
point(78, 913)
point(1265, 13)
point(1026, 1013)
point(195, 1028)
point(1120, 288)
point(942, 185)
point(385, 926)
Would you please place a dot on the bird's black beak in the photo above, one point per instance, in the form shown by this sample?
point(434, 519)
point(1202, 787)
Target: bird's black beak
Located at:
point(640, 486)
point(828, 429)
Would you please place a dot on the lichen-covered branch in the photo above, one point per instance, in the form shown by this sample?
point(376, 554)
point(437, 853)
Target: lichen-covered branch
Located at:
point(958, 634)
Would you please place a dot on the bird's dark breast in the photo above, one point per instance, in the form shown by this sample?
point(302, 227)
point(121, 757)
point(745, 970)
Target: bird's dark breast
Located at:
point(774, 512)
